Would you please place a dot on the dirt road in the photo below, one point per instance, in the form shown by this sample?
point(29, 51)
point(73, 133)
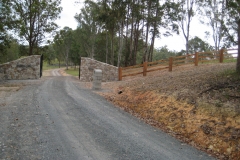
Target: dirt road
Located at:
point(54, 118)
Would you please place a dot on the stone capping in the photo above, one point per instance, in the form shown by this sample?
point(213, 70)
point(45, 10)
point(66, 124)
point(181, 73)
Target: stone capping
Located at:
point(109, 72)
point(21, 69)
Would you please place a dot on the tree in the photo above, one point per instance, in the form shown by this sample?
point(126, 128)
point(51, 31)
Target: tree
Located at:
point(198, 45)
point(49, 54)
point(87, 21)
point(163, 53)
point(108, 16)
point(5, 25)
point(129, 27)
point(213, 14)
point(10, 53)
point(64, 40)
point(233, 24)
point(35, 18)
point(183, 13)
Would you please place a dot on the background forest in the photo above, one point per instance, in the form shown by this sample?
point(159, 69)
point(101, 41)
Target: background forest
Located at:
point(118, 32)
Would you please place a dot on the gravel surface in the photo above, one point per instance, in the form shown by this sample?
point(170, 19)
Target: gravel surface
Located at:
point(54, 118)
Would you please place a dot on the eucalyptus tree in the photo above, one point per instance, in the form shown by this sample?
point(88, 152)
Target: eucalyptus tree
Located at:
point(213, 14)
point(5, 25)
point(136, 19)
point(163, 53)
point(161, 20)
point(186, 15)
point(120, 7)
point(148, 19)
point(63, 40)
point(183, 14)
point(58, 47)
point(87, 21)
point(196, 44)
point(35, 19)
point(108, 16)
point(233, 24)
point(49, 53)
point(157, 22)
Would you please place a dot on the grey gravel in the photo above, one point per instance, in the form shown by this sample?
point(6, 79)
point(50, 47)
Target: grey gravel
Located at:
point(56, 119)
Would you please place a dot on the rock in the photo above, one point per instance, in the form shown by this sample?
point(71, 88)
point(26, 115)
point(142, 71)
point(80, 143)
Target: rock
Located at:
point(206, 129)
point(119, 92)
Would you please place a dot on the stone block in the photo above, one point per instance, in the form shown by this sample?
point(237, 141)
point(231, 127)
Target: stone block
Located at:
point(109, 72)
point(24, 68)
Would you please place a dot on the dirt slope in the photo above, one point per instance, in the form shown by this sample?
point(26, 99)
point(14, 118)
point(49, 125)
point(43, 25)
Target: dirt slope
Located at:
point(199, 105)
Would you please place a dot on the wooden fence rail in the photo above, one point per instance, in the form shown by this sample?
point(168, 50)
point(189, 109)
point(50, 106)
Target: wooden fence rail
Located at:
point(198, 57)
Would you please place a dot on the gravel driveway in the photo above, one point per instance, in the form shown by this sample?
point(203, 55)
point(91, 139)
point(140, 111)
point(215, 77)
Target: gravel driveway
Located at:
point(53, 118)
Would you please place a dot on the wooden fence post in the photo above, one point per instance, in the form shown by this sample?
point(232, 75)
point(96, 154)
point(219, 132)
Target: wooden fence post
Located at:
point(119, 73)
point(170, 63)
point(196, 59)
point(145, 68)
point(221, 56)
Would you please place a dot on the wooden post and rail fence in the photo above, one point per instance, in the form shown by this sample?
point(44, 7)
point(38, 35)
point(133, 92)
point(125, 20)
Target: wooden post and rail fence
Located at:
point(198, 57)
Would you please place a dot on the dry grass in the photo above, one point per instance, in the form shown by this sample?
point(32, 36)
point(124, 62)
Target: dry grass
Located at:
point(199, 105)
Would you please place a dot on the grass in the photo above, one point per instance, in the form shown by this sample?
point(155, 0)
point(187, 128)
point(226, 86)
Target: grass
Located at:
point(46, 66)
point(72, 71)
point(229, 60)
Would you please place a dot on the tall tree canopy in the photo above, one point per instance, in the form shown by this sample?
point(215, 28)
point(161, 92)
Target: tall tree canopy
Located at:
point(233, 24)
point(213, 14)
point(5, 25)
point(34, 19)
point(198, 45)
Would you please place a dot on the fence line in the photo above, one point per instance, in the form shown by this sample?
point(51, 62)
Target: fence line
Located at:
point(198, 57)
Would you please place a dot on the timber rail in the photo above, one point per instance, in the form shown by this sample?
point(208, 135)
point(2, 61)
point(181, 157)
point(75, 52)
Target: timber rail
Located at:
point(223, 55)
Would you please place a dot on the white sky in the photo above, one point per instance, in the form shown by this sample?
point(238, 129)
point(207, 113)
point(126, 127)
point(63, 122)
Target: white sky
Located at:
point(70, 8)
point(176, 42)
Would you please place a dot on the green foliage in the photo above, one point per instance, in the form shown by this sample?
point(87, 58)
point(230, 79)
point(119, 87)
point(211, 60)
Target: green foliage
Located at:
point(33, 19)
point(5, 25)
point(11, 53)
point(49, 54)
point(62, 44)
point(88, 26)
point(198, 45)
point(213, 14)
point(163, 53)
point(53, 65)
point(232, 21)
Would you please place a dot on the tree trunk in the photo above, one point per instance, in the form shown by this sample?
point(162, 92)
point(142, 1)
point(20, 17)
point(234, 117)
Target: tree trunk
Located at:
point(106, 47)
point(67, 60)
point(120, 44)
point(154, 35)
point(145, 55)
point(131, 43)
point(136, 43)
point(93, 45)
point(238, 58)
point(112, 49)
point(30, 49)
point(30, 31)
point(126, 43)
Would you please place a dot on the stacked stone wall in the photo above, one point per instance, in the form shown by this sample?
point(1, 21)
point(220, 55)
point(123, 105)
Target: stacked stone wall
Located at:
point(109, 72)
point(24, 68)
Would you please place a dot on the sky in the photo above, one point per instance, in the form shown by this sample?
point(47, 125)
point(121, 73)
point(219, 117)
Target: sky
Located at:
point(175, 42)
point(70, 8)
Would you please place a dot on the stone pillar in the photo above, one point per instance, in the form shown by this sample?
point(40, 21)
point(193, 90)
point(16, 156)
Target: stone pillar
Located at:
point(97, 79)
